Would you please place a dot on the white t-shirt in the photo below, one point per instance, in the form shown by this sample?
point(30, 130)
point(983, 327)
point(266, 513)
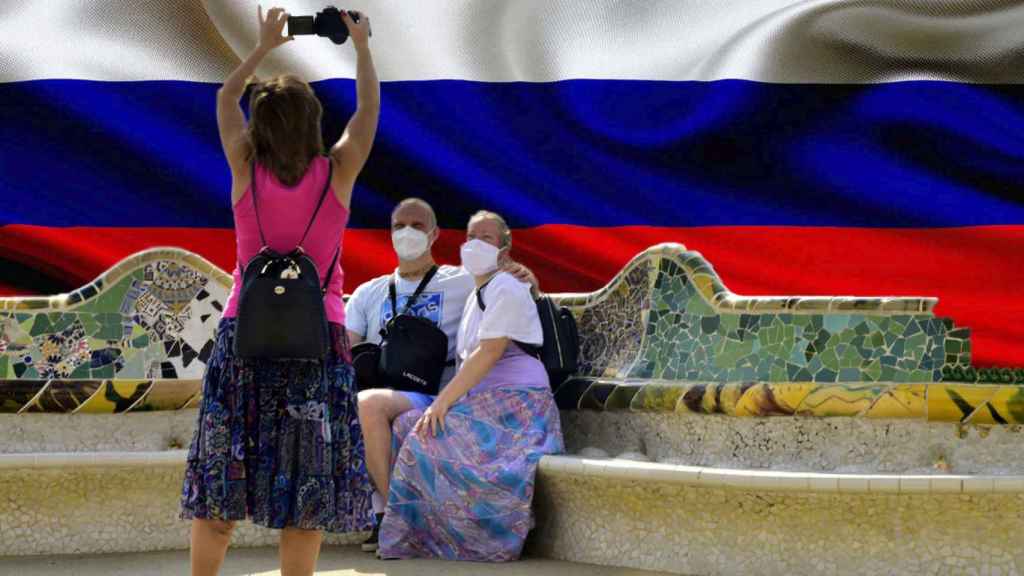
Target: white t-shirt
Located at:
point(510, 313)
point(441, 302)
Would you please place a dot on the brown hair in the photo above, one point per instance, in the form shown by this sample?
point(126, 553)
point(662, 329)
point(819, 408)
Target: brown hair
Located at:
point(284, 127)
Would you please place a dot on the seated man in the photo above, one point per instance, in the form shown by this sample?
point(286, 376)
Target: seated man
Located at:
point(413, 233)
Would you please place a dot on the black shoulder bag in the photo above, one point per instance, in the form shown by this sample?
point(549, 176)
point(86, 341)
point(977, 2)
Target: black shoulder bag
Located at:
point(560, 351)
point(412, 354)
point(280, 307)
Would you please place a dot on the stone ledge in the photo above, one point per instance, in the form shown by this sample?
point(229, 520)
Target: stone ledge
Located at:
point(618, 469)
point(768, 480)
point(168, 458)
point(106, 506)
point(706, 529)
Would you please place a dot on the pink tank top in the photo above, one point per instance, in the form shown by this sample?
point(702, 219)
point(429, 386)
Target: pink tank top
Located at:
point(284, 212)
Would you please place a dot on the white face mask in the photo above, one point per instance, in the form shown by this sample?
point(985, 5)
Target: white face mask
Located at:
point(479, 257)
point(409, 243)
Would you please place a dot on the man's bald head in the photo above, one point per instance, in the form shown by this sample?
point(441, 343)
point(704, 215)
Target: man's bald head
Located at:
point(414, 210)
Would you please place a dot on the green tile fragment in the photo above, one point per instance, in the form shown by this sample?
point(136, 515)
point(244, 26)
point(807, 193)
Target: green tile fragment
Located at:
point(81, 371)
point(921, 376)
point(830, 360)
point(110, 301)
point(697, 306)
point(103, 371)
point(110, 326)
point(874, 370)
point(61, 322)
point(41, 325)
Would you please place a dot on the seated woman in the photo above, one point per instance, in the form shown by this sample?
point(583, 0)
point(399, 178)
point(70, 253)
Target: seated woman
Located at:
point(464, 472)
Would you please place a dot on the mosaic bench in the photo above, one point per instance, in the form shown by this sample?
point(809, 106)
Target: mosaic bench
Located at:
point(135, 339)
point(665, 334)
point(721, 414)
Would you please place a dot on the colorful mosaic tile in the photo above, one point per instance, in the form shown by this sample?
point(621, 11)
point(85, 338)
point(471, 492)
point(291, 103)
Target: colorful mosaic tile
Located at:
point(984, 404)
point(958, 373)
point(62, 396)
point(17, 394)
point(665, 335)
point(168, 395)
point(694, 329)
point(597, 395)
point(621, 397)
point(659, 396)
point(952, 402)
point(614, 330)
point(569, 393)
point(152, 316)
point(687, 339)
point(899, 401)
point(707, 350)
point(115, 396)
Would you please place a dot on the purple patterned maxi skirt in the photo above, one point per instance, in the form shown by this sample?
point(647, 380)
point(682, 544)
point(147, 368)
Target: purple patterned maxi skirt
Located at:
point(466, 494)
point(278, 441)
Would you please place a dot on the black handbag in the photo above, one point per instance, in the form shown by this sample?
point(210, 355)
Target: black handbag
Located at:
point(413, 350)
point(280, 306)
point(412, 354)
point(366, 363)
point(560, 351)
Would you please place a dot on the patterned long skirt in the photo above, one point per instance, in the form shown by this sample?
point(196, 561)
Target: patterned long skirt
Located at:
point(466, 493)
point(278, 441)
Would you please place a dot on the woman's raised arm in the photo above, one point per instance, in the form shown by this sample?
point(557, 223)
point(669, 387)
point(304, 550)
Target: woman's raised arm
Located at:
point(349, 154)
point(230, 119)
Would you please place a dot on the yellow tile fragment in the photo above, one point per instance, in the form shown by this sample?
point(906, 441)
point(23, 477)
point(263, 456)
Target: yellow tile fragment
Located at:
point(951, 402)
point(840, 400)
point(900, 401)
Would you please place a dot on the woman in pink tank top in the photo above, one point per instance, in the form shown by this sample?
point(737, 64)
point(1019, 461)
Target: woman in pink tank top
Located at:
point(278, 441)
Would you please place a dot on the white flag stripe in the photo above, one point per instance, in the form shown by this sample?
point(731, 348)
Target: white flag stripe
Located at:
point(826, 41)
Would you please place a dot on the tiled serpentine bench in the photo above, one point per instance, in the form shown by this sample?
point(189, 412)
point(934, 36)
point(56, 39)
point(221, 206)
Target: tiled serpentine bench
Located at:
point(923, 475)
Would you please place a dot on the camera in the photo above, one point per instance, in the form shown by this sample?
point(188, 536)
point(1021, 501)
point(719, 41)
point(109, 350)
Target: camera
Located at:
point(326, 23)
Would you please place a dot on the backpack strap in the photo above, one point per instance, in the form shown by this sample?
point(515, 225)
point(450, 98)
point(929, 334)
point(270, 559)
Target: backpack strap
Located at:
point(392, 292)
point(330, 271)
point(531, 349)
point(319, 204)
point(480, 297)
point(323, 195)
point(255, 204)
point(337, 252)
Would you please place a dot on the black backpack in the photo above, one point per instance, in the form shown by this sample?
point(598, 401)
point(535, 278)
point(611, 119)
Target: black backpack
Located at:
point(412, 354)
point(280, 306)
point(560, 351)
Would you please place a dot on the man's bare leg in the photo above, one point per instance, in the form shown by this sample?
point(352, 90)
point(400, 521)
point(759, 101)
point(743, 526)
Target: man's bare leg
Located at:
point(378, 408)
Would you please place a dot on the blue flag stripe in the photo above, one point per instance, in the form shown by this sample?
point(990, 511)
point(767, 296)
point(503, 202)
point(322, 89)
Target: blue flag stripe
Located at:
point(580, 152)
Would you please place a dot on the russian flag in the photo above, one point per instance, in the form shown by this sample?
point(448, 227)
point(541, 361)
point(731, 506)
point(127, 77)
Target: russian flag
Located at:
point(805, 147)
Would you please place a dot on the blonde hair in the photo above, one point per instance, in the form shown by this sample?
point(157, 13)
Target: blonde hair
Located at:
point(503, 229)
